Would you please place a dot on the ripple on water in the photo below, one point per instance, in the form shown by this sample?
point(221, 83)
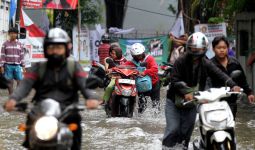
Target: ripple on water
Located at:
point(251, 123)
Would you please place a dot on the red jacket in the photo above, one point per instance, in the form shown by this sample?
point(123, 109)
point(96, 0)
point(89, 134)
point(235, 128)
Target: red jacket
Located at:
point(151, 68)
point(103, 52)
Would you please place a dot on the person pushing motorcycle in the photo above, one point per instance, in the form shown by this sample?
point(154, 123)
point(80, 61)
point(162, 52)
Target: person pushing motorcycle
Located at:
point(192, 69)
point(115, 54)
point(138, 53)
point(55, 82)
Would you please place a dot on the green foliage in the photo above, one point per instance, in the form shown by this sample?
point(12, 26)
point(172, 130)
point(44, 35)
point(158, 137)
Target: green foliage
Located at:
point(90, 14)
point(172, 9)
point(215, 20)
point(90, 11)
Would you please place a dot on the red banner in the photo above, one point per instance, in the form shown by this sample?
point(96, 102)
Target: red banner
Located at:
point(50, 4)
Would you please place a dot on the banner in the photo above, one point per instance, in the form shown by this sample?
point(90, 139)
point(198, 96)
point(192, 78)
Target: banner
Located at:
point(211, 31)
point(158, 47)
point(178, 27)
point(50, 4)
point(34, 40)
point(95, 38)
point(84, 44)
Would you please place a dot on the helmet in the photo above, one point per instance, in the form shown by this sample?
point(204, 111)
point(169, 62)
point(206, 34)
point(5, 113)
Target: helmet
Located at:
point(137, 49)
point(56, 36)
point(105, 38)
point(15, 30)
point(197, 40)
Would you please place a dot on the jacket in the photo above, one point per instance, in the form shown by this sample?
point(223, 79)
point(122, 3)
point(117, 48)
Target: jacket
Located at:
point(232, 65)
point(183, 71)
point(151, 68)
point(56, 84)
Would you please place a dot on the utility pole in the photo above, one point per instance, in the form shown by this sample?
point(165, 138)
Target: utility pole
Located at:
point(79, 29)
point(18, 11)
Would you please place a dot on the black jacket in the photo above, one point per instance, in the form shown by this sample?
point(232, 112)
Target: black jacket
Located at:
point(232, 65)
point(183, 71)
point(55, 84)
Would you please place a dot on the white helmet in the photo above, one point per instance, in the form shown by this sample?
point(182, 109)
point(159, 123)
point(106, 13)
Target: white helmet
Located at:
point(197, 40)
point(137, 49)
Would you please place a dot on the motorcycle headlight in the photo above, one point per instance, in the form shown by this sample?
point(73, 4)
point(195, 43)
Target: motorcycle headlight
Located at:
point(46, 127)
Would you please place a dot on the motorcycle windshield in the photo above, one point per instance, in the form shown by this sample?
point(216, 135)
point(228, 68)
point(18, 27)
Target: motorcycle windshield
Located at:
point(48, 107)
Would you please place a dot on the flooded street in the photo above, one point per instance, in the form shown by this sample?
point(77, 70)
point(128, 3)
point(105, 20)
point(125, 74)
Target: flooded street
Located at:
point(140, 132)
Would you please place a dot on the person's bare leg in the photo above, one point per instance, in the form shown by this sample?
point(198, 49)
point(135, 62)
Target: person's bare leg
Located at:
point(10, 88)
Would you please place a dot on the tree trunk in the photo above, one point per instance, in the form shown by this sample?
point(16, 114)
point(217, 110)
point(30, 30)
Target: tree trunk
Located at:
point(185, 5)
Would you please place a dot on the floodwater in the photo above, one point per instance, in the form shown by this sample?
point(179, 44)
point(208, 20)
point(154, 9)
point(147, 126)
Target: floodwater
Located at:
point(143, 132)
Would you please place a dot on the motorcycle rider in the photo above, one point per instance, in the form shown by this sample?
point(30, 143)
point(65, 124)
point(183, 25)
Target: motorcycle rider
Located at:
point(138, 53)
point(104, 47)
point(56, 83)
point(192, 69)
point(227, 65)
point(115, 54)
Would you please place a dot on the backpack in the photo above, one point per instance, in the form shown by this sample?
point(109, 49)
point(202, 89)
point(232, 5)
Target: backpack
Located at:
point(70, 68)
point(143, 84)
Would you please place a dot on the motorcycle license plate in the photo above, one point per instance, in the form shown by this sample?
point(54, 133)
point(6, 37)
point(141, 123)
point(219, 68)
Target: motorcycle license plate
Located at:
point(126, 81)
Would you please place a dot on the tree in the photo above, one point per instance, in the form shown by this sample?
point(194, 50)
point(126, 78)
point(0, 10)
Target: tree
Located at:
point(216, 11)
point(90, 14)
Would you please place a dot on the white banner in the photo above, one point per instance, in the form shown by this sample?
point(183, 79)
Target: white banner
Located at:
point(84, 44)
point(211, 31)
point(34, 49)
point(178, 27)
point(95, 38)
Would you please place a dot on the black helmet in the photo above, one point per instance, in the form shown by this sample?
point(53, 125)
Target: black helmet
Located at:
point(15, 30)
point(105, 38)
point(56, 36)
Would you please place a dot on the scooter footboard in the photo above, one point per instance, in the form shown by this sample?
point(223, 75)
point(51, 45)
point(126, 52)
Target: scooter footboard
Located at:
point(220, 136)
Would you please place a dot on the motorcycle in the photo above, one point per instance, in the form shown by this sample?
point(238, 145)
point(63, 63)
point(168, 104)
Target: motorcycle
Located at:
point(216, 122)
point(98, 70)
point(48, 130)
point(164, 73)
point(122, 101)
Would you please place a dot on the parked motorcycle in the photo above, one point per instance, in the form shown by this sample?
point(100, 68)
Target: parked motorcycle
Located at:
point(122, 101)
point(164, 73)
point(98, 70)
point(216, 121)
point(48, 130)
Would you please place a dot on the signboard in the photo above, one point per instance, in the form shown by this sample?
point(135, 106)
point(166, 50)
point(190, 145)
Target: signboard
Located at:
point(211, 31)
point(34, 49)
point(50, 4)
point(84, 44)
point(158, 47)
point(95, 38)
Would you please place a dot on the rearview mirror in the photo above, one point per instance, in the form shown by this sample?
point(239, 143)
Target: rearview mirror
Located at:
point(110, 62)
point(235, 74)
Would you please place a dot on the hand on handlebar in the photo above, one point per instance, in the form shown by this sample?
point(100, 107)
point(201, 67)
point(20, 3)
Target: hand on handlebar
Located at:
point(236, 89)
point(188, 97)
point(141, 74)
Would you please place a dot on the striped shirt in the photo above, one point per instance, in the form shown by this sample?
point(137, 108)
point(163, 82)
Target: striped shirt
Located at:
point(12, 52)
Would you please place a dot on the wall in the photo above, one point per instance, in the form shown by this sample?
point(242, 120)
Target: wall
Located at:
point(4, 20)
point(245, 31)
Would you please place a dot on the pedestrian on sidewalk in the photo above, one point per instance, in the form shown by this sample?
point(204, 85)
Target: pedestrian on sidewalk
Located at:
point(12, 59)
